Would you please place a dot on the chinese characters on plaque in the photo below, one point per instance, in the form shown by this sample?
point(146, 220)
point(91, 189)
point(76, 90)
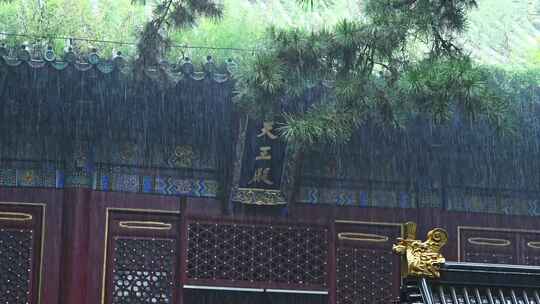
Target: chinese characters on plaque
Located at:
point(262, 166)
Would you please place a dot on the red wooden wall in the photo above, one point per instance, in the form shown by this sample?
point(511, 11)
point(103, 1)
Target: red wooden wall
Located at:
point(79, 240)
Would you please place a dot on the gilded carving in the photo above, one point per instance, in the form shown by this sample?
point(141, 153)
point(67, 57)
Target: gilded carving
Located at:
point(182, 156)
point(421, 258)
point(254, 196)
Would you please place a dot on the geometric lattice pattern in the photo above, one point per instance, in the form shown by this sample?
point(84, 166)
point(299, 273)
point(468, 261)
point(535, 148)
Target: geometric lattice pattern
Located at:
point(143, 270)
point(364, 276)
point(255, 253)
point(105, 178)
point(490, 257)
point(500, 246)
point(15, 266)
point(531, 260)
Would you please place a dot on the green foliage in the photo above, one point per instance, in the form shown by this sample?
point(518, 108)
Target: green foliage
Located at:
point(228, 32)
point(244, 25)
point(436, 84)
point(397, 60)
point(502, 33)
point(498, 32)
point(324, 123)
point(535, 57)
point(167, 14)
point(374, 72)
point(47, 19)
point(436, 22)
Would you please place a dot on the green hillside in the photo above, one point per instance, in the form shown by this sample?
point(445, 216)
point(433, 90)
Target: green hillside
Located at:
point(504, 31)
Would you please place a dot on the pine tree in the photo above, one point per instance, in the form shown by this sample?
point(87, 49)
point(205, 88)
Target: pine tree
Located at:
point(168, 14)
point(399, 63)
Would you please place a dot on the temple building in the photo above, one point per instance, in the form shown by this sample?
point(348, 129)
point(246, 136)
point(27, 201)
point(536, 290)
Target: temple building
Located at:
point(115, 190)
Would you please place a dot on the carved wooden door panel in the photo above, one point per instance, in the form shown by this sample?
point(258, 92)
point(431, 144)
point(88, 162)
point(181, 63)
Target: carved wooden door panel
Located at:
point(529, 244)
point(499, 246)
point(367, 270)
point(142, 258)
point(488, 246)
point(21, 236)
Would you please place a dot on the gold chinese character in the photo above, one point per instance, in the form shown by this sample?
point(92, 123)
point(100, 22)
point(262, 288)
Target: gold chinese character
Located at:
point(262, 175)
point(264, 153)
point(267, 130)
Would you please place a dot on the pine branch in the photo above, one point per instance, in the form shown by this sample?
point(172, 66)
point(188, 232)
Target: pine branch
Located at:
point(178, 14)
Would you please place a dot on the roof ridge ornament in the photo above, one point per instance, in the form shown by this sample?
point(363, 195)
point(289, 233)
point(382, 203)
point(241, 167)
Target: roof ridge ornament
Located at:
point(41, 55)
point(23, 54)
point(49, 55)
point(69, 55)
point(421, 258)
point(93, 57)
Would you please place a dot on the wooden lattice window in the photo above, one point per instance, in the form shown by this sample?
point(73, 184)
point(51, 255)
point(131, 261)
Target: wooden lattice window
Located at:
point(366, 270)
point(499, 245)
point(274, 256)
point(21, 235)
point(142, 258)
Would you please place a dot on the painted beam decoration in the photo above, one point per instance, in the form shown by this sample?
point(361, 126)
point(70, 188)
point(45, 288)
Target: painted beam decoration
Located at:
point(259, 175)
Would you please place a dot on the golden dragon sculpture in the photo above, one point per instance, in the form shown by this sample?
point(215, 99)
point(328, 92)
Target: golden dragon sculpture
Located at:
point(421, 259)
